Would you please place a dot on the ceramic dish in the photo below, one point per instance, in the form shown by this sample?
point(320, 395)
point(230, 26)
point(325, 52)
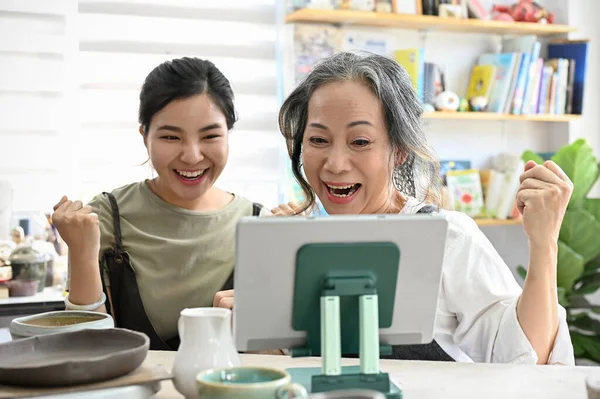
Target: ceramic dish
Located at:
point(61, 321)
point(72, 358)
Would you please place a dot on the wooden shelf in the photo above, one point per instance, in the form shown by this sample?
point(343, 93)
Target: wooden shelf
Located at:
point(498, 222)
point(491, 116)
point(424, 22)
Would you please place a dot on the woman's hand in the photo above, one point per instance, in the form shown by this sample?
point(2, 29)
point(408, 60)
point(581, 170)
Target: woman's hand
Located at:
point(289, 209)
point(223, 299)
point(542, 199)
point(78, 226)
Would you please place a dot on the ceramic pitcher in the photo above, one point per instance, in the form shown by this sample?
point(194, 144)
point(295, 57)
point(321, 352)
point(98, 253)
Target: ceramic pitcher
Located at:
point(206, 342)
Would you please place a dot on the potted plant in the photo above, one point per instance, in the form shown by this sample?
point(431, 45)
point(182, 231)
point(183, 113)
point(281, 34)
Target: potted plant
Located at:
point(578, 272)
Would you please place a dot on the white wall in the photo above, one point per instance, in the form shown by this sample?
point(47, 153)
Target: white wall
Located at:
point(71, 74)
point(122, 41)
point(37, 48)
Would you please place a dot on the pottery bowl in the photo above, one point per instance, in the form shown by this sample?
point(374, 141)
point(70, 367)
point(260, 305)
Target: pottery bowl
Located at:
point(59, 321)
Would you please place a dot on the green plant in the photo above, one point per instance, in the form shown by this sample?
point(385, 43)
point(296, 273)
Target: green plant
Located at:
point(578, 270)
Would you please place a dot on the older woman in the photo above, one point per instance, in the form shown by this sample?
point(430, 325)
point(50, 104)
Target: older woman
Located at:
point(353, 127)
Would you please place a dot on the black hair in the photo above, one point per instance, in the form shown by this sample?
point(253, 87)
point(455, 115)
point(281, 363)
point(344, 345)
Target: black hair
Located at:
point(181, 78)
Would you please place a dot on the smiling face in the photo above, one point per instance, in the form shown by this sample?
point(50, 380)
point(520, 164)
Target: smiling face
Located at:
point(346, 152)
point(188, 146)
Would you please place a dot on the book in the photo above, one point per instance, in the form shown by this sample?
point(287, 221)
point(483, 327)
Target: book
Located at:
point(570, 84)
point(545, 84)
point(464, 191)
point(505, 64)
point(448, 165)
point(481, 81)
point(576, 50)
point(413, 61)
point(529, 48)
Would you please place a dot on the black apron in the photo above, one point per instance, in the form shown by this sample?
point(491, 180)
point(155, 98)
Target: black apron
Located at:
point(124, 301)
point(431, 351)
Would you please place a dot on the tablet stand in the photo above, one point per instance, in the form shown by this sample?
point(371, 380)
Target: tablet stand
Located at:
point(344, 292)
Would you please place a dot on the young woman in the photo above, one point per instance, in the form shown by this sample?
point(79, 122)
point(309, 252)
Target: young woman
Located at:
point(353, 126)
point(166, 243)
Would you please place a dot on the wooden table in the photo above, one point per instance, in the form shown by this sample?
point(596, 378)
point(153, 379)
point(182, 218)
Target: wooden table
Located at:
point(437, 380)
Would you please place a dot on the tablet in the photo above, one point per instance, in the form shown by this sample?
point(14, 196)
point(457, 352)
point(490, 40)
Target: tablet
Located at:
point(265, 270)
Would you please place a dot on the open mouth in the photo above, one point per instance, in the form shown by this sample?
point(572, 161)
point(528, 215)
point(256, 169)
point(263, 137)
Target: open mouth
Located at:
point(190, 175)
point(343, 191)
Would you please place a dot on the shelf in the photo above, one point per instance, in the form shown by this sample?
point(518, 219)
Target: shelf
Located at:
point(424, 22)
point(491, 116)
point(498, 222)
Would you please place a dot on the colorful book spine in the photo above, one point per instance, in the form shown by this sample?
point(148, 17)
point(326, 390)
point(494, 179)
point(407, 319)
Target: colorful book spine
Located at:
point(573, 50)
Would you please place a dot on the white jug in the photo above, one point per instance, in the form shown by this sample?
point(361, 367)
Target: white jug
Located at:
point(206, 342)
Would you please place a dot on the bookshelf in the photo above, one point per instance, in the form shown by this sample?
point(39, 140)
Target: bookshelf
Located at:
point(497, 222)
point(332, 22)
point(491, 116)
point(424, 22)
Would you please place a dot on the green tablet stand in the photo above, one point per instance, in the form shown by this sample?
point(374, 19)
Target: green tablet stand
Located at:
point(344, 293)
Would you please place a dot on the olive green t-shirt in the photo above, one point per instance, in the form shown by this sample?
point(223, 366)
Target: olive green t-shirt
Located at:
point(181, 257)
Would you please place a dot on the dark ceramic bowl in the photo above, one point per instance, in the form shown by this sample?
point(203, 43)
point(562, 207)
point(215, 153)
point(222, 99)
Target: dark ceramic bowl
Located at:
point(72, 358)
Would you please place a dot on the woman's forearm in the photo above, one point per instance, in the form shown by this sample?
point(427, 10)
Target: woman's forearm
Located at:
point(537, 309)
point(85, 284)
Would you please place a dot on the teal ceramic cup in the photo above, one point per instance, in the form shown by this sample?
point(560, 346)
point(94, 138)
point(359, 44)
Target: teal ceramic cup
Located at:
point(247, 383)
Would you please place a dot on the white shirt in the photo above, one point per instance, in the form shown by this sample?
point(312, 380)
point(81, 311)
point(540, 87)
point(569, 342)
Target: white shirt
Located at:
point(476, 318)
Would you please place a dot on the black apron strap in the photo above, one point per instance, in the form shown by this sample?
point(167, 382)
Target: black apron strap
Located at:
point(256, 208)
point(116, 221)
point(125, 302)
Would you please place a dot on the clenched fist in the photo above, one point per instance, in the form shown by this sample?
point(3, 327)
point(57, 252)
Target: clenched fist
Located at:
point(289, 209)
point(542, 199)
point(77, 225)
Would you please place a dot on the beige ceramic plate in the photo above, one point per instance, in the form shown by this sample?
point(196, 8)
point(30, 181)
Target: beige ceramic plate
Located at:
point(72, 358)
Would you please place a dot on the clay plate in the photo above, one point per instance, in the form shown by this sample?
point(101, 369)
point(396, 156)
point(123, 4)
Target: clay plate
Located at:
point(71, 358)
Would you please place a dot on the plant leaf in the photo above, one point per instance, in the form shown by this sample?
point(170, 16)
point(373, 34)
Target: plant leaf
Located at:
point(580, 230)
point(589, 282)
point(578, 346)
point(585, 322)
point(591, 268)
point(577, 160)
point(587, 288)
point(569, 268)
point(587, 346)
point(575, 316)
point(592, 205)
point(562, 297)
point(532, 156)
point(522, 272)
point(580, 302)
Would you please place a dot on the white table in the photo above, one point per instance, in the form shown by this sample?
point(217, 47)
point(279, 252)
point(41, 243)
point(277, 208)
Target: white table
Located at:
point(438, 380)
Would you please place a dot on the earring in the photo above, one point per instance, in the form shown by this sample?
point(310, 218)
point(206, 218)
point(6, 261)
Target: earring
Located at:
point(397, 178)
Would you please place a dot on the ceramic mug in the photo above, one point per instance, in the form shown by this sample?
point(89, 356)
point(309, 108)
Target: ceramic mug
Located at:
point(247, 383)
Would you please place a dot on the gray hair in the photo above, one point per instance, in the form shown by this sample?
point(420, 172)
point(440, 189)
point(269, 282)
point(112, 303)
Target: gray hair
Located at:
point(417, 176)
